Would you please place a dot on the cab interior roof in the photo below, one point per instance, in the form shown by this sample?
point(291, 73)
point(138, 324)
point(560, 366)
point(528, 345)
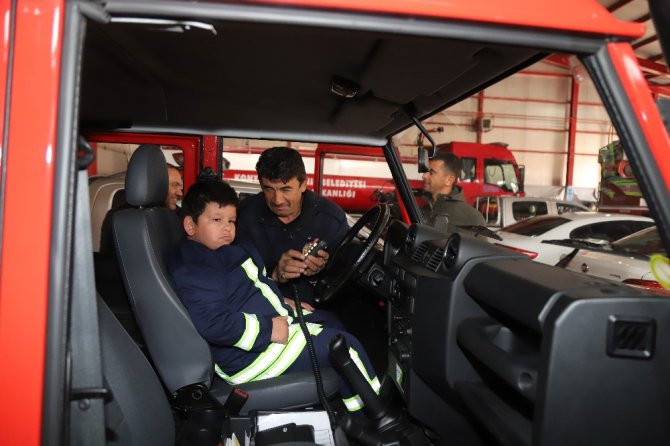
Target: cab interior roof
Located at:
point(273, 81)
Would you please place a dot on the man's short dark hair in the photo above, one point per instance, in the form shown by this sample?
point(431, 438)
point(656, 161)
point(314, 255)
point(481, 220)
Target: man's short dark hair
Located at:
point(452, 163)
point(204, 192)
point(281, 163)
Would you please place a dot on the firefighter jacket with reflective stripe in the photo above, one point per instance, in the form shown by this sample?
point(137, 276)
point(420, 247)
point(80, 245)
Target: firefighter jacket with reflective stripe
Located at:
point(230, 299)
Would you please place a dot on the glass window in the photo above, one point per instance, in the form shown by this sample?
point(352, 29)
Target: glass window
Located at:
point(112, 158)
point(501, 173)
point(645, 242)
point(568, 207)
point(609, 230)
point(536, 226)
point(469, 169)
point(527, 209)
point(488, 207)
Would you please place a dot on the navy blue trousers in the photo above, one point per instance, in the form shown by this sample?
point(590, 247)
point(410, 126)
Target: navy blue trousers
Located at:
point(358, 354)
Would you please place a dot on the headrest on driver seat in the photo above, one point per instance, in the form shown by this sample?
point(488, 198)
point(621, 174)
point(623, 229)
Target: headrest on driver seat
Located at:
point(147, 177)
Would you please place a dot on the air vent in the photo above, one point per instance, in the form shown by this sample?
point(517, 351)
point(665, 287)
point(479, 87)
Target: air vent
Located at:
point(630, 337)
point(451, 251)
point(435, 259)
point(418, 254)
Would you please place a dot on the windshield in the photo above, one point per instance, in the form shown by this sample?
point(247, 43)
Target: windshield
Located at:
point(501, 173)
point(535, 226)
point(646, 242)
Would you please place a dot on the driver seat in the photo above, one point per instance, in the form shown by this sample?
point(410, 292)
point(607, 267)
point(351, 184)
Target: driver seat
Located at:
point(144, 236)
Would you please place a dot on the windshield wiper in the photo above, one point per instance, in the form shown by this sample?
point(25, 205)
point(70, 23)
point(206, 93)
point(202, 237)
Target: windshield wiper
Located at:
point(480, 230)
point(581, 244)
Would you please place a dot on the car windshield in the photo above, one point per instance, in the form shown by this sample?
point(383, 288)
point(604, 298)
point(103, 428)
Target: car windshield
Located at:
point(501, 173)
point(535, 226)
point(646, 242)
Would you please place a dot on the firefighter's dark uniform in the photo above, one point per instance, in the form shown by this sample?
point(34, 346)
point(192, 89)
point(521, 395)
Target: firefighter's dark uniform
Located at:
point(319, 218)
point(231, 302)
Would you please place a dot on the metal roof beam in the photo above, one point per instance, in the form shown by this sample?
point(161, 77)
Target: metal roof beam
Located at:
point(618, 5)
point(653, 69)
point(647, 41)
point(643, 18)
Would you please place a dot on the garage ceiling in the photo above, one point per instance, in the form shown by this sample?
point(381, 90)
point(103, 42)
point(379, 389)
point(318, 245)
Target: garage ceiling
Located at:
point(647, 47)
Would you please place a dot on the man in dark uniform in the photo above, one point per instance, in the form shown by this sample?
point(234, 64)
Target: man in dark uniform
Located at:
point(445, 197)
point(285, 216)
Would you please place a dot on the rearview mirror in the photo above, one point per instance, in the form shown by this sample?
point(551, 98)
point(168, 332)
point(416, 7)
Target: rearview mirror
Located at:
point(422, 159)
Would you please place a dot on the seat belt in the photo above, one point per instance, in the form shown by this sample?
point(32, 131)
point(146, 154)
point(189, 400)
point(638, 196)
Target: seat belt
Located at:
point(87, 392)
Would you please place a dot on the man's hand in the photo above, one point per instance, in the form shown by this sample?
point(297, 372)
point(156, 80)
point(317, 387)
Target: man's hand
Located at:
point(291, 303)
point(315, 263)
point(279, 330)
point(290, 266)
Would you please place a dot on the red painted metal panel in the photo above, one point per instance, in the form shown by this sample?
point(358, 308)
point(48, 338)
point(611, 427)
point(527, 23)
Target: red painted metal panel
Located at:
point(5, 11)
point(572, 132)
point(480, 115)
point(626, 65)
point(586, 16)
point(190, 146)
point(24, 267)
point(210, 146)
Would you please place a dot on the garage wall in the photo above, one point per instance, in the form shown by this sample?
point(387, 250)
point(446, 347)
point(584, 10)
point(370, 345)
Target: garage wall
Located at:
point(530, 113)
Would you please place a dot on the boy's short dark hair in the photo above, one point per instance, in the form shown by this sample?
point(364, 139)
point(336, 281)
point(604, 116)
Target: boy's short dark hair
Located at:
point(281, 163)
point(203, 192)
point(452, 163)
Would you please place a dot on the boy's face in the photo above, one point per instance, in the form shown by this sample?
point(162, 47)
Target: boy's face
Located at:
point(215, 226)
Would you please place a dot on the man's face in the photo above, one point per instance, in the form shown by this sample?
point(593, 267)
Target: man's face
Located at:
point(284, 199)
point(437, 180)
point(215, 226)
point(175, 188)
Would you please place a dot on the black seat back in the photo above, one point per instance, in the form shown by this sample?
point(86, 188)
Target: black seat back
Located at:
point(144, 237)
point(138, 412)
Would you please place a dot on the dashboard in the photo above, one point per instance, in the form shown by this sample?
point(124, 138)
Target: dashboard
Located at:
point(481, 336)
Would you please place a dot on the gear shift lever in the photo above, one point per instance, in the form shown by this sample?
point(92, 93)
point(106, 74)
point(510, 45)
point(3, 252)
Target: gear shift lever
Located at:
point(375, 409)
point(389, 427)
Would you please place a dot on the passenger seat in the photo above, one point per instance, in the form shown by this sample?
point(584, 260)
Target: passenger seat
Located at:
point(139, 412)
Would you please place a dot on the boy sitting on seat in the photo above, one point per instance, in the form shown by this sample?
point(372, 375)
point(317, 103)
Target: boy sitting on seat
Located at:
point(236, 307)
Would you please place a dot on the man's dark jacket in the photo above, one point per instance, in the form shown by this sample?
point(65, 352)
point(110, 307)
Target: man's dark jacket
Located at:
point(319, 218)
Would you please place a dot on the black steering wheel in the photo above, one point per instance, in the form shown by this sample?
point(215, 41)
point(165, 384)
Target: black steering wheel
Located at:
point(352, 253)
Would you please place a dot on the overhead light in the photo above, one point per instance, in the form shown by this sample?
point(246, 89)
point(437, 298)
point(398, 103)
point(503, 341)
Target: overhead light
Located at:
point(344, 87)
point(183, 25)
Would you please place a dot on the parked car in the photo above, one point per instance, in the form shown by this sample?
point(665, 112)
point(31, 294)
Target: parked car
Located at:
point(501, 211)
point(626, 260)
point(527, 235)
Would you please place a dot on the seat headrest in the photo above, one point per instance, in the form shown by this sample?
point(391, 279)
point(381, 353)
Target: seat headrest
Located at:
point(147, 177)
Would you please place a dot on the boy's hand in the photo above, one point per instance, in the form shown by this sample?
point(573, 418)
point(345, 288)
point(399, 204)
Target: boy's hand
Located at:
point(279, 330)
point(290, 266)
point(291, 303)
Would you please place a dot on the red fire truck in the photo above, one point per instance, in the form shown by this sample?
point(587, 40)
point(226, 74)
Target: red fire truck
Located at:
point(482, 346)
